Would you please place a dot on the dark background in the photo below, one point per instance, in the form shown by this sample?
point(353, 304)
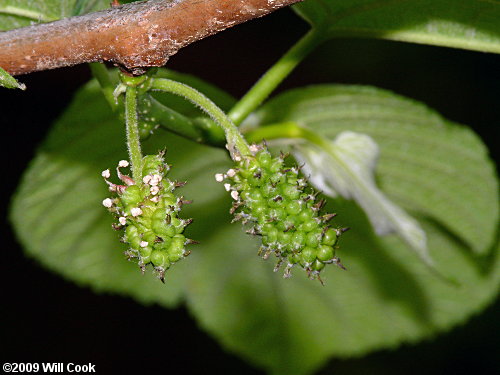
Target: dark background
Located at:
point(48, 319)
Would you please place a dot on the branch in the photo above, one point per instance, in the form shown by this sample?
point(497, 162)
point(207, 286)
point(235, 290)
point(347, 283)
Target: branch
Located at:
point(133, 36)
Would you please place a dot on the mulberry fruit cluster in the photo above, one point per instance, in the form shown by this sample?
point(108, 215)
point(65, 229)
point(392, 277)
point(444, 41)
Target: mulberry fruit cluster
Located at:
point(147, 213)
point(274, 199)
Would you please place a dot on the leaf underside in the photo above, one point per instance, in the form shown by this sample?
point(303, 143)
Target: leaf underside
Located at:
point(289, 326)
point(427, 164)
point(346, 166)
point(20, 13)
point(468, 24)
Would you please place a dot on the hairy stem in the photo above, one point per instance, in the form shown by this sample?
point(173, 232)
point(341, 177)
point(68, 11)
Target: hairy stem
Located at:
point(273, 77)
point(133, 141)
point(236, 142)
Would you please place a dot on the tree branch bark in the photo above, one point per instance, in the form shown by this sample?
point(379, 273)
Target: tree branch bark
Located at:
point(133, 36)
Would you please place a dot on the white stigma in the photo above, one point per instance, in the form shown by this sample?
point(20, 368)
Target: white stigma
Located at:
point(106, 174)
point(144, 243)
point(107, 202)
point(122, 220)
point(235, 195)
point(147, 179)
point(136, 211)
point(154, 190)
point(219, 177)
point(155, 199)
point(227, 187)
point(231, 173)
point(155, 180)
point(254, 148)
point(123, 164)
point(237, 158)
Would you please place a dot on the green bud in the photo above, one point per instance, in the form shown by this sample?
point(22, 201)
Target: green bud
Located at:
point(152, 164)
point(285, 238)
point(169, 199)
point(290, 191)
point(149, 237)
point(132, 196)
point(277, 214)
point(275, 166)
point(159, 259)
point(306, 215)
point(265, 159)
point(293, 208)
point(313, 238)
point(325, 253)
point(330, 237)
point(256, 195)
point(276, 201)
point(270, 236)
point(269, 190)
point(145, 251)
point(293, 258)
point(298, 239)
point(259, 209)
point(175, 252)
point(308, 254)
point(318, 266)
point(132, 236)
point(308, 226)
point(160, 224)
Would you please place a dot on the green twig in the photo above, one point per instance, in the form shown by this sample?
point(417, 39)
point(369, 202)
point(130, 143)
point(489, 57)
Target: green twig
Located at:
point(236, 142)
point(101, 73)
point(274, 76)
point(288, 129)
point(168, 118)
point(13, 10)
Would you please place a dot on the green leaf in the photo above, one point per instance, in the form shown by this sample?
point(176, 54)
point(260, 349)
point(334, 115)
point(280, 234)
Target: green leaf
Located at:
point(87, 6)
point(468, 24)
point(427, 165)
point(285, 326)
point(57, 212)
point(386, 296)
point(347, 165)
point(20, 13)
point(6, 80)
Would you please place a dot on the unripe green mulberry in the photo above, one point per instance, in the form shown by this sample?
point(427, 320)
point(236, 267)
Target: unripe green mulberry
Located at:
point(273, 198)
point(147, 212)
